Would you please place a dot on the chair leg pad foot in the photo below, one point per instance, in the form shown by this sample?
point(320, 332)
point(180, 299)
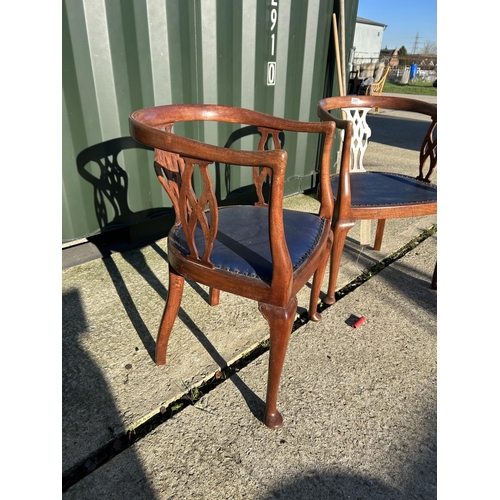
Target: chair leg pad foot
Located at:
point(273, 420)
point(329, 299)
point(315, 317)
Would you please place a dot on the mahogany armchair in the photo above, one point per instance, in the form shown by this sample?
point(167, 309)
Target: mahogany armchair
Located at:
point(368, 195)
point(260, 251)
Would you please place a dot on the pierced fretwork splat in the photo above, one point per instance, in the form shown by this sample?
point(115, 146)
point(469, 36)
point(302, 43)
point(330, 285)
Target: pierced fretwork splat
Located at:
point(360, 134)
point(260, 175)
point(176, 176)
point(169, 169)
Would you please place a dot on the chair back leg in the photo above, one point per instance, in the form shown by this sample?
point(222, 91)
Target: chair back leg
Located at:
point(213, 296)
point(340, 230)
point(172, 305)
point(379, 234)
point(314, 315)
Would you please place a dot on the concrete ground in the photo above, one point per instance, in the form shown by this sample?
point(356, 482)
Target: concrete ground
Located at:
point(359, 405)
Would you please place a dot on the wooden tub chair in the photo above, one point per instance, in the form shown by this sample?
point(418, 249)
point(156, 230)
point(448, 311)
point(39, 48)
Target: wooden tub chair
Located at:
point(261, 252)
point(365, 195)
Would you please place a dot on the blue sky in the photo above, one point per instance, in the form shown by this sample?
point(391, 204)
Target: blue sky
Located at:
point(404, 19)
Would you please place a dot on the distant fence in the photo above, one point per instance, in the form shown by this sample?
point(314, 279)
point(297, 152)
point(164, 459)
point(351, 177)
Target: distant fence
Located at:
point(425, 72)
point(397, 73)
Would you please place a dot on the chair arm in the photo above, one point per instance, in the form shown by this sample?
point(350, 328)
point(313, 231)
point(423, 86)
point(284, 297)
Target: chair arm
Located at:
point(324, 114)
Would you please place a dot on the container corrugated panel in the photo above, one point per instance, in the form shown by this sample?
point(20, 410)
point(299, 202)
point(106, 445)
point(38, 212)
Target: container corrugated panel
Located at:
point(120, 56)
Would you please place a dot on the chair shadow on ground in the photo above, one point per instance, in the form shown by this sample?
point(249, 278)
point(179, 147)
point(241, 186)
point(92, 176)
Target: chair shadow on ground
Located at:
point(314, 484)
point(85, 386)
point(98, 401)
point(111, 186)
point(136, 259)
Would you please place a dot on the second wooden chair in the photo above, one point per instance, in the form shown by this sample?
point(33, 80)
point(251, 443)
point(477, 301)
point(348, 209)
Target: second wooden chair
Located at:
point(367, 195)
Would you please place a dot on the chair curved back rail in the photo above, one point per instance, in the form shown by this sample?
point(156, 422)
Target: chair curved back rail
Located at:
point(362, 195)
point(261, 252)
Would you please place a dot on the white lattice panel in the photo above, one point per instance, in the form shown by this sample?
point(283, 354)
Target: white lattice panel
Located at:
point(360, 135)
point(361, 132)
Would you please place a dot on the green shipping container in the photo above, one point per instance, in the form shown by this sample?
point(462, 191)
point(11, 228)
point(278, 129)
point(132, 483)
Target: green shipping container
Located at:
point(274, 56)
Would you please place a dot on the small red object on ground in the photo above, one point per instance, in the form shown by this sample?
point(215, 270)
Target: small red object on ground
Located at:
point(359, 322)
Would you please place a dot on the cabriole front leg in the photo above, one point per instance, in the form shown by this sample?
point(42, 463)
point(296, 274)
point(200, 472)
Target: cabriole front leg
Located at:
point(280, 323)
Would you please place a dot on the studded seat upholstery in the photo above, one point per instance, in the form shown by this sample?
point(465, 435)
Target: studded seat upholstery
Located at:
point(244, 249)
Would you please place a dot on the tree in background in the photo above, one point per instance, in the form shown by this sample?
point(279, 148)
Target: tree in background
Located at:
point(430, 49)
point(403, 56)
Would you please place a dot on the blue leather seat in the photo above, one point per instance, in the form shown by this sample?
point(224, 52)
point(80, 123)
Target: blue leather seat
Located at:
point(245, 249)
point(371, 189)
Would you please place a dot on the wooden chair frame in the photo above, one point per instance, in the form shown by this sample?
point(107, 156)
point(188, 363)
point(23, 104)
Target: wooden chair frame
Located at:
point(196, 240)
point(353, 194)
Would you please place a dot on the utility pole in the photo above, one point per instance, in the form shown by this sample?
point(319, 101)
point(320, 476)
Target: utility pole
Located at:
point(414, 50)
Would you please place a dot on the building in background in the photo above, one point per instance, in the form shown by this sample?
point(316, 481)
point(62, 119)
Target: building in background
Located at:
point(390, 57)
point(367, 43)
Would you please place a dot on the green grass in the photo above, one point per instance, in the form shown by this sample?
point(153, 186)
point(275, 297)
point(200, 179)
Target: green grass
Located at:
point(415, 88)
